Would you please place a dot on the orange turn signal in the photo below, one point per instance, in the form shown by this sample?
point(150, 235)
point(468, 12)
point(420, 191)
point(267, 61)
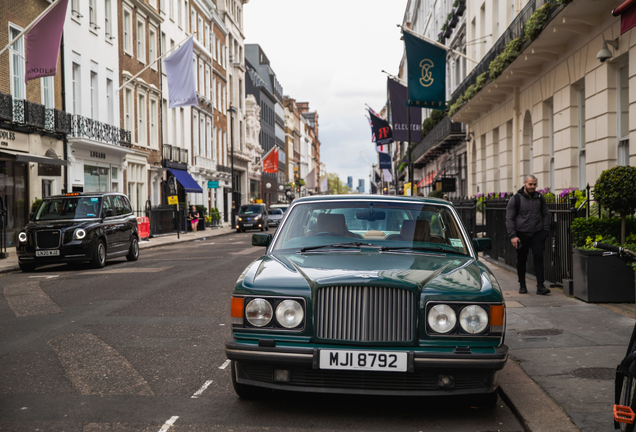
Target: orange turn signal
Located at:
point(237, 307)
point(497, 317)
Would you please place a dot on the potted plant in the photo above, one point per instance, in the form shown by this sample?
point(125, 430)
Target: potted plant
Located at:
point(616, 190)
point(460, 6)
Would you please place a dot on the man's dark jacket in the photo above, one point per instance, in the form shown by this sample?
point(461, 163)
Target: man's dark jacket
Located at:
point(533, 216)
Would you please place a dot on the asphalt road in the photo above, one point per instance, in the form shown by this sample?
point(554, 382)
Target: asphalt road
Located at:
point(139, 347)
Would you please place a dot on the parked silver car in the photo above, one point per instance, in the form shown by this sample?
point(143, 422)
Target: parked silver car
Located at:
point(275, 216)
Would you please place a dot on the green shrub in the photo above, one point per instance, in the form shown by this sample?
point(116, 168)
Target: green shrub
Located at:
point(436, 194)
point(203, 210)
point(430, 122)
point(615, 189)
point(507, 56)
point(536, 23)
point(608, 229)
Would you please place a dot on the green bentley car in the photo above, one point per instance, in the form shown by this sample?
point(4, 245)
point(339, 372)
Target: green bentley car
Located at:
point(368, 294)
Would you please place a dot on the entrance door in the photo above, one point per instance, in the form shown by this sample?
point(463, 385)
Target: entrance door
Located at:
point(13, 190)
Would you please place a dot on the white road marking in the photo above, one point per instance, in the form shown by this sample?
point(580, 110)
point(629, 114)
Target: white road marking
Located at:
point(201, 390)
point(168, 424)
point(48, 277)
point(225, 364)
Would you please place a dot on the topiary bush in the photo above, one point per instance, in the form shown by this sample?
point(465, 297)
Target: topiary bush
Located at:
point(616, 190)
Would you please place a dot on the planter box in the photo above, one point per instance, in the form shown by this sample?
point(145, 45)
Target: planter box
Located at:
point(601, 279)
point(453, 22)
point(460, 9)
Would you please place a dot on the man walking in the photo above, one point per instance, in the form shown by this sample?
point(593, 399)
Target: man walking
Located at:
point(528, 223)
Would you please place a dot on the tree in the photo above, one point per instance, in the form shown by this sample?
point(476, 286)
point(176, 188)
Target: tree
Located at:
point(616, 190)
point(335, 185)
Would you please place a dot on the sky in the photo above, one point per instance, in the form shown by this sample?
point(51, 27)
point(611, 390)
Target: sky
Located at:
point(331, 53)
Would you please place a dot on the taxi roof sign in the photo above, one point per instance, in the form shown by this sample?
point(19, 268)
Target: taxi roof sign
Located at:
point(72, 194)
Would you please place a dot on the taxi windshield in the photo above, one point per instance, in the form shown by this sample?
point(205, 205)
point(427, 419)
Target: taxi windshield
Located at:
point(69, 208)
point(390, 225)
point(249, 209)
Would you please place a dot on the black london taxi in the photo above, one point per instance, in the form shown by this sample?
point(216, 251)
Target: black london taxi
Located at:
point(369, 294)
point(252, 216)
point(79, 227)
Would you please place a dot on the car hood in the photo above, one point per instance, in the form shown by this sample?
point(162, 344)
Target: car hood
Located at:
point(287, 273)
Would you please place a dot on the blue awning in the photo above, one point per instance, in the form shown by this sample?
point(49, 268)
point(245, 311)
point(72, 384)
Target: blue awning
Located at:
point(186, 180)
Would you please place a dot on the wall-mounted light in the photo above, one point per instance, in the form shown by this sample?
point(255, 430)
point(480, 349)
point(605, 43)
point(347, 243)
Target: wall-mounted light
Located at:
point(605, 54)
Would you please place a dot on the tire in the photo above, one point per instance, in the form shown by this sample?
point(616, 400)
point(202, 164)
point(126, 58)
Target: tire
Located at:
point(238, 230)
point(246, 391)
point(242, 229)
point(99, 255)
point(627, 399)
point(133, 252)
point(27, 268)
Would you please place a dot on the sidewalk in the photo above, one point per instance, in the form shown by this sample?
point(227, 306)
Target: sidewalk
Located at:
point(563, 356)
point(11, 263)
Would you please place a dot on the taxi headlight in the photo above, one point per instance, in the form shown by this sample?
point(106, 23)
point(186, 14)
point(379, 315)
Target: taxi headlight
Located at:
point(259, 312)
point(79, 234)
point(256, 217)
point(240, 220)
point(289, 314)
point(473, 319)
point(442, 318)
point(22, 237)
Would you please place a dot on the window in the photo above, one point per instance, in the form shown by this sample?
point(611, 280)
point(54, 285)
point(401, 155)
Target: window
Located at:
point(94, 95)
point(77, 106)
point(141, 113)
point(75, 10)
point(195, 134)
point(582, 161)
point(202, 135)
point(108, 19)
point(153, 122)
point(114, 180)
point(18, 86)
point(240, 94)
point(109, 101)
point(174, 126)
point(207, 36)
point(193, 21)
point(207, 82)
point(127, 109)
point(622, 115)
point(47, 188)
point(217, 51)
point(152, 47)
point(91, 14)
point(162, 5)
point(127, 31)
point(163, 48)
point(48, 96)
point(213, 43)
point(171, 9)
point(164, 120)
point(201, 77)
point(182, 124)
point(208, 147)
point(200, 35)
point(153, 3)
point(141, 46)
point(179, 13)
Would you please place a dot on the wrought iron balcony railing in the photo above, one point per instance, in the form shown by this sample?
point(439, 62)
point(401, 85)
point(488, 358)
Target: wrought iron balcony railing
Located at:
point(175, 154)
point(27, 113)
point(84, 127)
point(445, 130)
point(224, 168)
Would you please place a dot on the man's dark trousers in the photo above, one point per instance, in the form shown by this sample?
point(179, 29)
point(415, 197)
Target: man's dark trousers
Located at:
point(537, 244)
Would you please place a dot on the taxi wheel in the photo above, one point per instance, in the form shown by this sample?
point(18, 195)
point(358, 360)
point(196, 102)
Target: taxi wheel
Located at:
point(246, 391)
point(133, 253)
point(27, 268)
point(99, 255)
point(238, 230)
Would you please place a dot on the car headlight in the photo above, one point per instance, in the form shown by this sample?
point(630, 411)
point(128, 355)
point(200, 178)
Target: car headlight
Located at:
point(473, 319)
point(240, 220)
point(79, 234)
point(442, 318)
point(259, 312)
point(256, 217)
point(289, 314)
point(22, 237)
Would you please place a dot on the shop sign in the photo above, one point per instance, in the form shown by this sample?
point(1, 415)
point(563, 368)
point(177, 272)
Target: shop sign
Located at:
point(213, 184)
point(14, 140)
point(98, 155)
point(49, 170)
point(173, 200)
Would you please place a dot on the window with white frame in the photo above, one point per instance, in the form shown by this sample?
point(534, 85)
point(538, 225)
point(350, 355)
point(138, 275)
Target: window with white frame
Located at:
point(223, 56)
point(153, 123)
point(141, 43)
point(225, 147)
point(179, 13)
point(208, 146)
point(110, 115)
point(582, 141)
point(173, 112)
point(162, 6)
point(182, 125)
point(108, 31)
point(127, 31)
point(196, 69)
point(193, 21)
point(207, 82)
point(18, 86)
point(217, 51)
point(164, 120)
point(94, 95)
point(152, 47)
point(216, 145)
point(92, 19)
point(200, 35)
point(136, 176)
point(622, 115)
point(240, 94)
point(207, 36)
point(128, 110)
point(163, 48)
point(195, 133)
point(48, 95)
point(201, 77)
point(141, 114)
point(76, 83)
point(202, 135)
point(171, 9)
point(215, 92)
point(213, 40)
point(75, 8)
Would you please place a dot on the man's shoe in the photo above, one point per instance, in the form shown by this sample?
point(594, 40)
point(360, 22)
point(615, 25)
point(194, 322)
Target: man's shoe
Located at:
point(523, 289)
point(542, 290)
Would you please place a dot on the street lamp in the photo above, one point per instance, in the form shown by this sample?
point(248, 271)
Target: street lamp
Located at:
point(232, 110)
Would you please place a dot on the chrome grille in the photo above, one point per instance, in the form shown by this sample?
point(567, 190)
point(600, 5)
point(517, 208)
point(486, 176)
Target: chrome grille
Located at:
point(365, 314)
point(48, 239)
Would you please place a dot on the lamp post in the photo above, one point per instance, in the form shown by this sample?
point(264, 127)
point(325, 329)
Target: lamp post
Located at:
point(232, 110)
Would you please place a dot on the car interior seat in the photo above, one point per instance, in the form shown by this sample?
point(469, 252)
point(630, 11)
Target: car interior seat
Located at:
point(422, 231)
point(407, 231)
point(334, 223)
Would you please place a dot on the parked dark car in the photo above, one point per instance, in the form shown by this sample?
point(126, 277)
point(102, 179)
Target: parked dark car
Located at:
point(275, 216)
point(368, 295)
point(252, 216)
point(79, 227)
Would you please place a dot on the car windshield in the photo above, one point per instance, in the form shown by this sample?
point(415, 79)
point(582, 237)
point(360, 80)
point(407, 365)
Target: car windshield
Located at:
point(391, 225)
point(275, 212)
point(69, 208)
point(249, 209)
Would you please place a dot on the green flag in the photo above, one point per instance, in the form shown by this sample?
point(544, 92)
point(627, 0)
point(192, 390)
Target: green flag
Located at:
point(426, 73)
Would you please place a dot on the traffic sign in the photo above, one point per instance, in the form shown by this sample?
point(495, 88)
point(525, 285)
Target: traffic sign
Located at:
point(173, 200)
point(213, 184)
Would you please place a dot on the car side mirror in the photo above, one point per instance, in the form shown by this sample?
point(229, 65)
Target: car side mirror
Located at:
point(482, 244)
point(261, 239)
point(109, 213)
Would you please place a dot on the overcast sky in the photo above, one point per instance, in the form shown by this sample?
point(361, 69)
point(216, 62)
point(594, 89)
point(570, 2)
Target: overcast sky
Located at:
point(330, 53)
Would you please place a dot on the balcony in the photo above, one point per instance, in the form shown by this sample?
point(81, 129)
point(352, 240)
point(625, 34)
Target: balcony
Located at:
point(84, 127)
point(204, 163)
point(223, 168)
point(444, 136)
point(33, 115)
point(174, 157)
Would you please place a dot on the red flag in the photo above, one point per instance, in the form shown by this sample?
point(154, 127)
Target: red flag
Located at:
point(627, 11)
point(43, 43)
point(270, 163)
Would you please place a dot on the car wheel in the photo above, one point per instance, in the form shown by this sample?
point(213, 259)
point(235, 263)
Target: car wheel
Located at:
point(238, 230)
point(133, 253)
point(27, 268)
point(246, 391)
point(99, 255)
point(243, 230)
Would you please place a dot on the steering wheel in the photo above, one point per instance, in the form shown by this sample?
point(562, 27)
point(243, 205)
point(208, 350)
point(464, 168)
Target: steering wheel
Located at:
point(326, 233)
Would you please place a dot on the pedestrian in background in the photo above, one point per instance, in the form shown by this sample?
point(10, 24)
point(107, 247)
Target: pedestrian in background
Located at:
point(528, 223)
point(194, 219)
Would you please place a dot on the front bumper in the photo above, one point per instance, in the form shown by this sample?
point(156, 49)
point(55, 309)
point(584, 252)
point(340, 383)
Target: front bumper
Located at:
point(250, 225)
point(472, 373)
point(74, 251)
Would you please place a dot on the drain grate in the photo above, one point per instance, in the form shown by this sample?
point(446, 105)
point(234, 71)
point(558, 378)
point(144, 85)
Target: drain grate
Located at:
point(594, 373)
point(541, 332)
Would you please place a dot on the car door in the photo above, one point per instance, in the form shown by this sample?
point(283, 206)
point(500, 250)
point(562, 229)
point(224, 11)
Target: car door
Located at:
point(122, 213)
point(128, 224)
point(109, 224)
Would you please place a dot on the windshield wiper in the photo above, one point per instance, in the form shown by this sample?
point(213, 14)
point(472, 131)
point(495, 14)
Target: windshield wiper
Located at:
point(338, 245)
point(416, 248)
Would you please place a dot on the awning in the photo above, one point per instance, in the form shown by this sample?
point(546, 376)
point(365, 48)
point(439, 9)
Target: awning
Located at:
point(25, 157)
point(185, 179)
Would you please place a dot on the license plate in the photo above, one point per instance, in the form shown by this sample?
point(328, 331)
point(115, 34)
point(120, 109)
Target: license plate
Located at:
point(47, 253)
point(363, 360)
point(248, 224)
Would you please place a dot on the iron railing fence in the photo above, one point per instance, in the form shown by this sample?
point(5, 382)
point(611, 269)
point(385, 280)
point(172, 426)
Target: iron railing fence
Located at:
point(163, 220)
point(439, 133)
point(467, 209)
point(174, 153)
point(88, 128)
point(27, 113)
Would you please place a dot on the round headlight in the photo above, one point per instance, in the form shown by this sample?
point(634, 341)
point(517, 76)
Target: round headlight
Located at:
point(80, 233)
point(240, 220)
point(473, 319)
point(256, 217)
point(442, 318)
point(259, 312)
point(22, 237)
point(289, 313)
